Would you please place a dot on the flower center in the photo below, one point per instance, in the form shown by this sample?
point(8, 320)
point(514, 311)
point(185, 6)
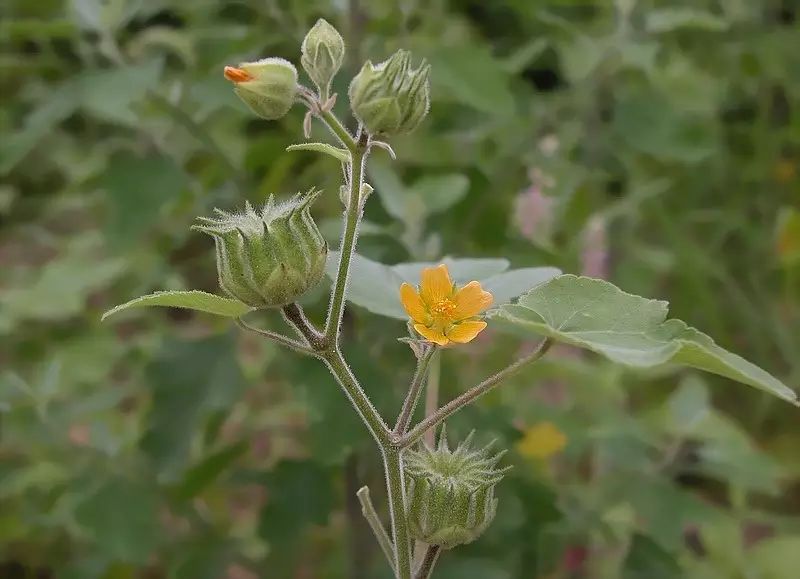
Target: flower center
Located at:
point(444, 309)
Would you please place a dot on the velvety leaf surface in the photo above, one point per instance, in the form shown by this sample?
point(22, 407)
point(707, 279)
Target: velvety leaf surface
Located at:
point(192, 300)
point(628, 329)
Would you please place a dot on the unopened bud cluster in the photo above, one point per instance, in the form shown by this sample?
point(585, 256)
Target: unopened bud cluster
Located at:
point(271, 257)
point(450, 494)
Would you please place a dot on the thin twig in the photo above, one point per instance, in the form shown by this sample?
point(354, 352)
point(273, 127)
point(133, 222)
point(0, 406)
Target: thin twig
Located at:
point(276, 337)
point(369, 512)
point(428, 562)
point(470, 395)
point(414, 390)
point(432, 396)
point(296, 317)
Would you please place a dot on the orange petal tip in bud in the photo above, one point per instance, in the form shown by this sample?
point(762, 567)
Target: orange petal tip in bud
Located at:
point(234, 74)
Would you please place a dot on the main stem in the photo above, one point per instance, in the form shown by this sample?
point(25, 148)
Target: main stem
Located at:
point(393, 463)
point(358, 155)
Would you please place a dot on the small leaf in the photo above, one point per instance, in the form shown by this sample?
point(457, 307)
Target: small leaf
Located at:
point(628, 329)
point(339, 154)
point(193, 300)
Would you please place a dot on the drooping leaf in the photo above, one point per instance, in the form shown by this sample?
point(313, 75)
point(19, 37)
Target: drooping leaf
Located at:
point(376, 286)
point(632, 330)
point(337, 153)
point(193, 300)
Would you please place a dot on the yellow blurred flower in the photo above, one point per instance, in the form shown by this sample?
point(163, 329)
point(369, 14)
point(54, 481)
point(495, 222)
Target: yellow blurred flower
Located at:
point(541, 441)
point(443, 313)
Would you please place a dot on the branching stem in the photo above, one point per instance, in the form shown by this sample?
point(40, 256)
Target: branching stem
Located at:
point(470, 395)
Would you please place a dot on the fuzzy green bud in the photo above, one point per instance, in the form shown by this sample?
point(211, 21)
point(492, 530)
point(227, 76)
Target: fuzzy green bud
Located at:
point(450, 494)
point(268, 258)
point(268, 86)
point(391, 98)
point(322, 55)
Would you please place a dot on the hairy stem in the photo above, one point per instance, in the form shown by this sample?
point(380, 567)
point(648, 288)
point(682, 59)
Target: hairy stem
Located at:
point(395, 483)
point(296, 317)
point(349, 239)
point(368, 510)
point(470, 395)
point(428, 562)
point(360, 401)
point(339, 131)
point(414, 391)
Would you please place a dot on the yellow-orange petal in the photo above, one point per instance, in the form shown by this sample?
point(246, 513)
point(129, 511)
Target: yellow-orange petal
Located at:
point(435, 284)
point(465, 331)
point(413, 305)
point(431, 335)
point(234, 74)
point(471, 300)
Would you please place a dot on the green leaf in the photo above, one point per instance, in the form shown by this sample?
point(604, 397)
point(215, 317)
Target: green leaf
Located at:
point(337, 153)
point(472, 76)
point(190, 381)
point(628, 329)
point(122, 517)
point(137, 188)
point(204, 473)
point(193, 300)
point(376, 286)
point(440, 192)
point(670, 19)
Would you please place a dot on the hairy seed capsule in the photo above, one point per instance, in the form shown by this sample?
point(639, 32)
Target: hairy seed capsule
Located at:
point(451, 493)
point(391, 98)
point(268, 258)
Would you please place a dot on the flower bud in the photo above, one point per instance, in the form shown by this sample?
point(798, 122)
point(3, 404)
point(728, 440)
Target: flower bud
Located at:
point(268, 86)
point(391, 98)
point(323, 53)
point(268, 258)
point(450, 494)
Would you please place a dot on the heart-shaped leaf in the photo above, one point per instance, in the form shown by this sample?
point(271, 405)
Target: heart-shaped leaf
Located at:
point(192, 300)
point(629, 329)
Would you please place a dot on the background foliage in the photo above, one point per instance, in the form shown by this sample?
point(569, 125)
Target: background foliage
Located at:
point(654, 143)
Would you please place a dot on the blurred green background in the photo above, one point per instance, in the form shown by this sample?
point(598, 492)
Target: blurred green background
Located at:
point(653, 143)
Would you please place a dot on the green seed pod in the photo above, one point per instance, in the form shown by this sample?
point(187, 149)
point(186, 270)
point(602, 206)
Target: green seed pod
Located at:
point(450, 494)
point(269, 258)
point(391, 98)
point(268, 86)
point(322, 55)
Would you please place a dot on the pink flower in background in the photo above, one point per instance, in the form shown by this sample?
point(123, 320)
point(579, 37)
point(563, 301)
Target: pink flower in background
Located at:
point(594, 257)
point(533, 212)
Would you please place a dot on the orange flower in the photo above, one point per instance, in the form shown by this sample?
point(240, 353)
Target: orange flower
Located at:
point(441, 312)
point(237, 75)
point(542, 441)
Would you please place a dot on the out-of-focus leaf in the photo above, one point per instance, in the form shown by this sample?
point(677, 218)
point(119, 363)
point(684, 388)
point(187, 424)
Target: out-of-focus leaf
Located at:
point(337, 153)
point(189, 379)
point(628, 329)
point(689, 404)
point(60, 288)
point(193, 300)
point(138, 188)
point(646, 560)
point(650, 125)
point(122, 518)
point(787, 238)
point(670, 19)
point(300, 494)
point(203, 474)
point(510, 284)
point(777, 558)
point(109, 94)
point(440, 192)
point(472, 76)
